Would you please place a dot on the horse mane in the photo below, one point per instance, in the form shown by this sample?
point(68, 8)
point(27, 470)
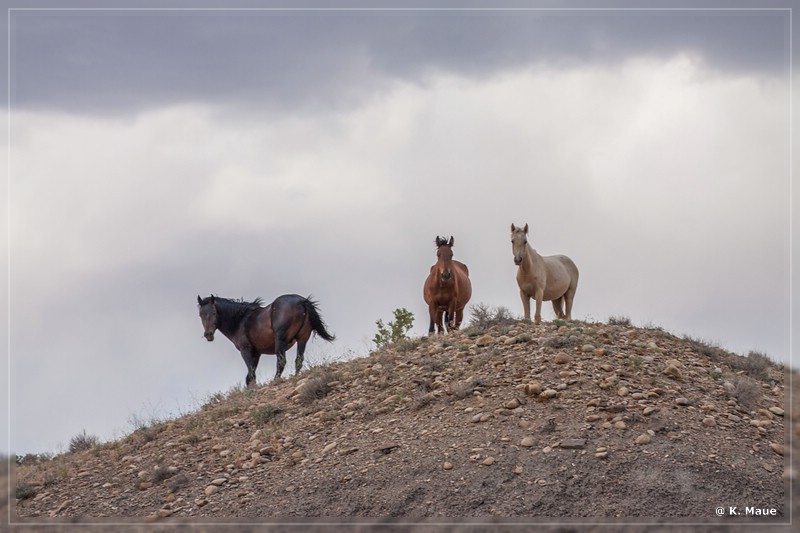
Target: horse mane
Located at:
point(230, 313)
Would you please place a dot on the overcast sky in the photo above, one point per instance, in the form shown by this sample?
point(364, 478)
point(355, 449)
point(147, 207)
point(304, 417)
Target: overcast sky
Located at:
point(158, 155)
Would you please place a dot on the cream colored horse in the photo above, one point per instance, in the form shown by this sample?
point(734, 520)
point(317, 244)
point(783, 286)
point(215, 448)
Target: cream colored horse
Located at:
point(550, 278)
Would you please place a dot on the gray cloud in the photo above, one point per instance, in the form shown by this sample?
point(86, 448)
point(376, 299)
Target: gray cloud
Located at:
point(117, 62)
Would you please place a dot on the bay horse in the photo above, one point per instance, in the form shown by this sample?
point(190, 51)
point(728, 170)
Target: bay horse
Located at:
point(257, 330)
point(549, 278)
point(447, 288)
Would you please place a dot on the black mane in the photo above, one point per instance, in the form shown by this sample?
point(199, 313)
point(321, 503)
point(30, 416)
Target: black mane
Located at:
point(231, 313)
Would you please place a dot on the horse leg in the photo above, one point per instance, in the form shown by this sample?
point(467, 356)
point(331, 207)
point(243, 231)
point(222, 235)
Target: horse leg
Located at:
point(557, 307)
point(251, 361)
point(432, 311)
point(526, 304)
point(439, 325)
point(568, 298)
point(537, 318)
point(459, 318)
point(298, 362)
point(280, 352)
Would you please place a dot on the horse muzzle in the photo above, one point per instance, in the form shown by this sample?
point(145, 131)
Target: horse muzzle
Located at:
point(517, 260)
point(209, 335)
point(446, 276)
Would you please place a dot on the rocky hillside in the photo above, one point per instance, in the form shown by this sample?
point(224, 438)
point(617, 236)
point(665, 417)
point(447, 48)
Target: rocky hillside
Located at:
point(562, 421)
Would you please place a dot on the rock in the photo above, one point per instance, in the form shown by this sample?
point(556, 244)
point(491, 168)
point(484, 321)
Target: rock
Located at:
point(533, 389)
point(642, 439)
point(164, 513)
point(447, 465)
point(488, 461)
point(587, 348)
point(622, 391)
point(484, 340)
point(518, 469)
point(776, 411)
point(649, 410)
point(562, 358)
point(512, 404)
point(547, 394)
point(527, 442)
point(673, 372)
point(619, 424)
point(606, 367)
point(329, 447)
point(144, 485)
point(600, 352)
point(219, 481)
point(709, 421)
point(573, 444)
point(592, 418)
point(777, 448)
point(211, 489)
point(682, 401)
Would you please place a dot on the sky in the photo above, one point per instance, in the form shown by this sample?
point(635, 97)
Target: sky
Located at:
point(155, 155)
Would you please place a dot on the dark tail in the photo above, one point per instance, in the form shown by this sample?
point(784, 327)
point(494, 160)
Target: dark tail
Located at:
point(317, 324)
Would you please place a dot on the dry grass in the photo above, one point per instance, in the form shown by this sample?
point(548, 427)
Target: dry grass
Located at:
point(746, 391)
point(264, 414)
point(317, 386)
point(82, 441)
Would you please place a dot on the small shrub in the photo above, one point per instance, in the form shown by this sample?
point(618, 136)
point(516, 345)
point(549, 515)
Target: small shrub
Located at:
point(746, 391)
point(707, 349)
point(559, 341)
point(317, 386)
point(81, 442)
point(191, 439)
point(33, 458)
point(25, 491)
point(484, 317)
point(421, 399)
point(462, 389)
point(265, 413)
point(394, 331)
point(162, 473)
point(408, 345)
point(619, 320)
point(178, 482)
point(756, 364)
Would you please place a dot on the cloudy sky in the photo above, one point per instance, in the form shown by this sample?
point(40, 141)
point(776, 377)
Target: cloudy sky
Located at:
point(156, 155)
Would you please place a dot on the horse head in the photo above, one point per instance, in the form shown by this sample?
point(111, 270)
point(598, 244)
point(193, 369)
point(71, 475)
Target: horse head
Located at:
point(208, 315)
point(519, 242)
point(444, 253)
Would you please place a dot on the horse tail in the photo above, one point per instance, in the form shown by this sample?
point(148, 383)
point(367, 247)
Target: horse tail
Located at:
point(317, 324)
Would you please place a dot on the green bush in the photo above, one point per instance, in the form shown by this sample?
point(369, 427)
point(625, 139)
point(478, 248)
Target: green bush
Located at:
point(394, 331)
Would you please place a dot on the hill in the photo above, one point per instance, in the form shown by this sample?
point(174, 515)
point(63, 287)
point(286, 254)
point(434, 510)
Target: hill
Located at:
point(564, 421)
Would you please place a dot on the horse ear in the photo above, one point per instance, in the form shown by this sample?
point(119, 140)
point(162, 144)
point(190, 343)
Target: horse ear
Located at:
point(212, 299)
point(199, 300)
point(513, 228)
point(525, 229)
point(451, 241)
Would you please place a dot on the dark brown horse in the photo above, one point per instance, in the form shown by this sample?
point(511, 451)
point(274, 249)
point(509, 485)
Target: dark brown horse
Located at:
point(257, 330)
point(447, 289)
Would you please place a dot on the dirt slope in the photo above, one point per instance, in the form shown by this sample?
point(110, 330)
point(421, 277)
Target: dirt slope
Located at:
point(562, 422)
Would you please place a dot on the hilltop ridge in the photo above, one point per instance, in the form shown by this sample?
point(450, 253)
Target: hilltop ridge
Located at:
point(563, 420)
